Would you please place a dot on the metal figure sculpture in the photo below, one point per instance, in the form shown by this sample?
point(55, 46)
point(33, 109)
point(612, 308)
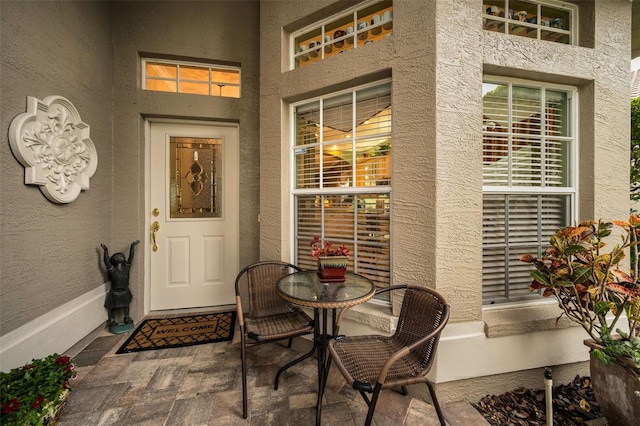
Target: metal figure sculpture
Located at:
point(119, 295)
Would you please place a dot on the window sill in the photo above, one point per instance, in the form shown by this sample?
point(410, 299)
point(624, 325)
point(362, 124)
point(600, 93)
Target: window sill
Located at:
point(375, 316)
point(515, 319)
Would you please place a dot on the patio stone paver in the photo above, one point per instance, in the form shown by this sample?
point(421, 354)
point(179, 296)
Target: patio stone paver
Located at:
point(191, 411)
point(202, 385)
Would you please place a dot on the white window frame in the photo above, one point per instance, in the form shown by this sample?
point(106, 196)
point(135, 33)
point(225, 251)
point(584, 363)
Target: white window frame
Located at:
point(561, 5)
point(573, 168)
point(293, 53)
point(177, 80)
point(351, 190)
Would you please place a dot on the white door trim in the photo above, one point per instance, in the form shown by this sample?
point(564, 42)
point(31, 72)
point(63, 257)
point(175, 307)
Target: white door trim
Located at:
point(147, 196)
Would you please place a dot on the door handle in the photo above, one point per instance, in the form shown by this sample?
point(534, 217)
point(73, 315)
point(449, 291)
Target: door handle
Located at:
point(155, 227)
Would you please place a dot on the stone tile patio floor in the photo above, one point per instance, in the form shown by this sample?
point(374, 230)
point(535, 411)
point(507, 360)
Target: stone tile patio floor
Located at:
point(202, 385)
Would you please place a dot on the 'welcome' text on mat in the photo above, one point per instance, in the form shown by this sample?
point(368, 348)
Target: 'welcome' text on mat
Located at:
point(162, 333)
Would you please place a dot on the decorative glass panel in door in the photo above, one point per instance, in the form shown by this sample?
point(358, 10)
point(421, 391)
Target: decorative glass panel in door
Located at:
point(195, 177)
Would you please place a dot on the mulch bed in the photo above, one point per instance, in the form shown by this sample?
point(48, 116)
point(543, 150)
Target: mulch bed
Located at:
point(573, 405)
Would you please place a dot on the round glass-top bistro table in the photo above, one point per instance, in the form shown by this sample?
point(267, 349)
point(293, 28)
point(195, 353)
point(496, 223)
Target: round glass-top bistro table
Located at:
point(305, 289)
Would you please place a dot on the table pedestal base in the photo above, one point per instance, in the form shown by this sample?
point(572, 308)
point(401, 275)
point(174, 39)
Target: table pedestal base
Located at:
point(294, 362)
point(324, 361)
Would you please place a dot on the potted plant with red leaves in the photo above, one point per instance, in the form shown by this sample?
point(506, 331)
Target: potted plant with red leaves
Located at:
point(35, 393)
point(596, 290)
point(332, 260)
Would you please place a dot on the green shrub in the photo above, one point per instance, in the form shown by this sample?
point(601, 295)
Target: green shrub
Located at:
point(32, 391)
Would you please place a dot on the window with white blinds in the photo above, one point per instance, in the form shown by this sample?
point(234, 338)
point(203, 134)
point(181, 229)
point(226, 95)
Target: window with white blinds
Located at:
point(529, 190)
point(342, 177)
point(359, 221)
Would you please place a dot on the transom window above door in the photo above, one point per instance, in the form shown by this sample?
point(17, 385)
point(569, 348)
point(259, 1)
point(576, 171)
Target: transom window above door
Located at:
point(190, 77)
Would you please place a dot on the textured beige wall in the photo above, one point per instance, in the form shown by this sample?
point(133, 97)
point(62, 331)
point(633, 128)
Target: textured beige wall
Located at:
point(88, 52)
point(412, 64)
point(212, 30)
point(50, 253)
point(611, 66)
point(437, 57)
point(426, 152)
point(459, 157)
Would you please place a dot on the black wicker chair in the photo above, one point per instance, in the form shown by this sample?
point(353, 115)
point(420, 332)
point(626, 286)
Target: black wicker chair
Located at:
point(269, 317)
point(371, 363)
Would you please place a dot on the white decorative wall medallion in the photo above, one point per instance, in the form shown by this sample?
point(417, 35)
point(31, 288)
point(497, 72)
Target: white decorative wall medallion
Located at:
point(53, 145)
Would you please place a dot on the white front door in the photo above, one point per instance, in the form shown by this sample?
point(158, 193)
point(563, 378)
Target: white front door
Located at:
point(193, 217)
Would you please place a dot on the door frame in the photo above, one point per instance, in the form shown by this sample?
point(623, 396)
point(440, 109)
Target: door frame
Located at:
point(147, 192)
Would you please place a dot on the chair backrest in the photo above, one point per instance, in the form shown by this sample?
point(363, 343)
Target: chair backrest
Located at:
point(423, 311)
point(261, 279)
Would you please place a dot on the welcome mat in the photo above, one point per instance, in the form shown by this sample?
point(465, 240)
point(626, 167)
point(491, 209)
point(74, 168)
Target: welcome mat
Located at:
point(162, 333)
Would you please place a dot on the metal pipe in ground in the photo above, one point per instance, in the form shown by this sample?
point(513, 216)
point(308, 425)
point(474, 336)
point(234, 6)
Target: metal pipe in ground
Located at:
point(548, 392)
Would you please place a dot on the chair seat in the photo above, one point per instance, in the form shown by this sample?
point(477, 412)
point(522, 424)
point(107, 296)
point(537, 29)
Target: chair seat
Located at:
point(265, 317)
point(360, 359)
point(370, 363)
point(276, 327)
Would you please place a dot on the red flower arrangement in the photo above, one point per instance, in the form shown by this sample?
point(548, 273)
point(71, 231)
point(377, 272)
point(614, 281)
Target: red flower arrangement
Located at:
point(34, 391)
point(325, 249)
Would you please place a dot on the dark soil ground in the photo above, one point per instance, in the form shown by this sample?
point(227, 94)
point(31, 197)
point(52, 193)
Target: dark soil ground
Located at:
point(573, 404)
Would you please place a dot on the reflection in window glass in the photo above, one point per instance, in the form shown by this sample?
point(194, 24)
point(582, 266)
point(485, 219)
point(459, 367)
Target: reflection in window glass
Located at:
point(342, 173)
point(198, 79)
point(344, 140)
point(366, 23)
point(528, 190)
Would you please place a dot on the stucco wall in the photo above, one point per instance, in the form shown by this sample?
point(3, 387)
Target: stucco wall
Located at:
point(50, 253)
point(430, 196)
point(213, 31)
point(89, 52)
point(413, 67)
point(459, 157)
point(437, 57)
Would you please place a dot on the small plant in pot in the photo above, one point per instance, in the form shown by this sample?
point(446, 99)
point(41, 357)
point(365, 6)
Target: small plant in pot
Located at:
point(594, 290)
point(332, 260)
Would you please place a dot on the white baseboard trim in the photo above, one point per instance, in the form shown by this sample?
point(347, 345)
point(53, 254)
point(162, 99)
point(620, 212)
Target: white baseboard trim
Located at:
point(55, 331)
point(465, 352)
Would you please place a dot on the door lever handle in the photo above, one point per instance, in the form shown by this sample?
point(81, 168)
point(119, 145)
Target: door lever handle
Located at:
point(155, 227)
